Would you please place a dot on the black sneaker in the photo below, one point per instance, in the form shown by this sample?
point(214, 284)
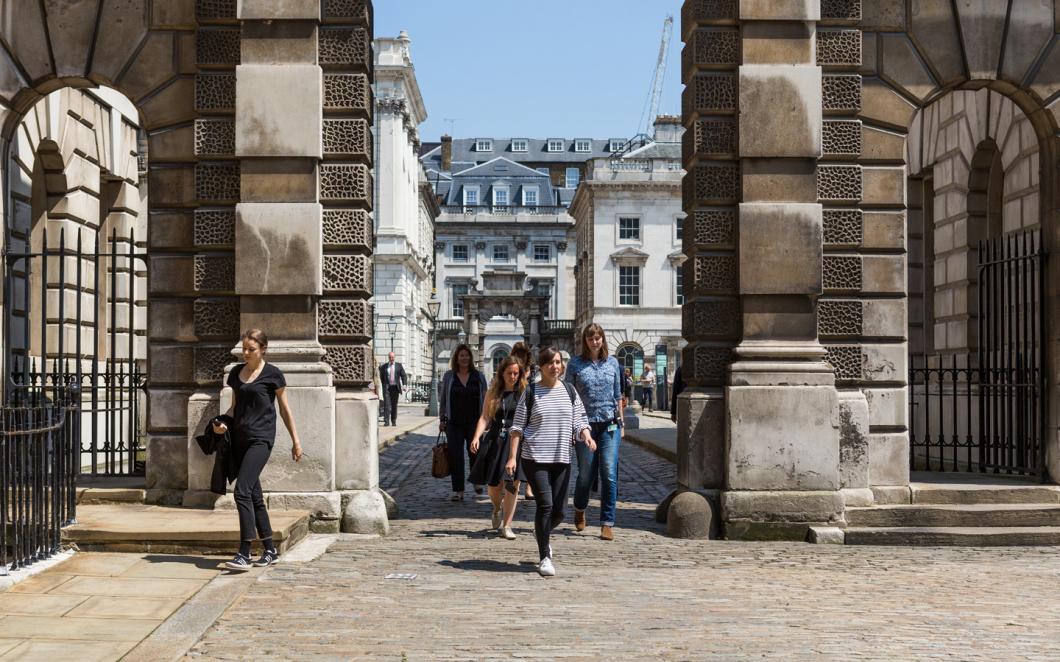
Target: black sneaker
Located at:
point(240, 563)
point(268, 557)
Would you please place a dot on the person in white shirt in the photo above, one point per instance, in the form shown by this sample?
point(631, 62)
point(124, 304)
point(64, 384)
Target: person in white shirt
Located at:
point(647, 383)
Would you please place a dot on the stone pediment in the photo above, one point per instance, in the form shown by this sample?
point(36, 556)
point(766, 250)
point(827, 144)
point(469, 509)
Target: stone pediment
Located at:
point(629, 256)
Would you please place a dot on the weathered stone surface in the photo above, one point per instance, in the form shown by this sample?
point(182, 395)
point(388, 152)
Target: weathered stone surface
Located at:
point(71, 25)
point(320, 504)
point(883, 274)
point(792, 91)
point(768, 42)
point(853, 440)
point(888, 459)
point(789, 267)
point(356, 441)
point(780, 10)
point(278, 248)
point(782, 506)
point(172, 105)
point(883, 15)
point(392, 510)
point(884, 105)
point(888, 407)
point(279, 42)
point(22, 26)
point(202, 407)
point(883, 186)
point(691, 516)
point(364, 511)
point(265, 10)
point(167, 462)
point(825, 535)
point(167, 409)
point(278, 180)
point(171, 364)
point(700, 438)
point(278, 111)
point(1029, 30)
point(935, 30)
point(153, 66)
point(779, 180)
point(881, 145)
point(1047, 83)
point(982, 24)
point(901, 65)
point(884, 230)
point(122, 26)
point(170, 319)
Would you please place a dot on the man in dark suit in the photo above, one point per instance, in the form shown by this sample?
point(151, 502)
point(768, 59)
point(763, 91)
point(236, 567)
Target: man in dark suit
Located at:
point(391, 378)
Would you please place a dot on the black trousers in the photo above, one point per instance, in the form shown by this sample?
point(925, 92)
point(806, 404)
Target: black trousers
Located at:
point(393, 395)
point(550, 482)
point(458, 438)
point(252, 455)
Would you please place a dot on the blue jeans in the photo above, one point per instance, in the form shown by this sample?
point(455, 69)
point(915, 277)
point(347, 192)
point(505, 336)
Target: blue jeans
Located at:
point(602, 463)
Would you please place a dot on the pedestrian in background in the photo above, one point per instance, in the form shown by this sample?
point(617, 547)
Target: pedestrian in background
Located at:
point(647, 383)
point(550, 415)
point(521, 352)
point(257, 387)
point(492, 445)
point(598, 379)
point(460, 406)
point(392, 377)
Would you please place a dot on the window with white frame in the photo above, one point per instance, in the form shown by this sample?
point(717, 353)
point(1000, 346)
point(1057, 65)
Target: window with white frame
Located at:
point(583, 145)
point(679, 229)
point(572, 176)
point(520, 145)
point(458, 290)
point(616, 145)
point(470, 196)
point(460, 253)
point(542, 252)
point(629, 228)
point(500, 196)
point(500, 253)
point(555, 145)
point(628, 286)
point(483, 145)
point(679, 280)
point(530, 198)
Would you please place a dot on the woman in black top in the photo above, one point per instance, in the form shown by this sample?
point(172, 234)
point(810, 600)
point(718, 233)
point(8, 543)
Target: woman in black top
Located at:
point(498, 412)
point(256, 387)
point(460, 405)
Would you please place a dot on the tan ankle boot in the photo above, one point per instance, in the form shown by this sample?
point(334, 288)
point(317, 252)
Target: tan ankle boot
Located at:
point(607, 533)
point(579, 520)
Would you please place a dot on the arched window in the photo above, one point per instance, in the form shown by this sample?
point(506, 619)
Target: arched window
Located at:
point(632, 357)
point(499, 355)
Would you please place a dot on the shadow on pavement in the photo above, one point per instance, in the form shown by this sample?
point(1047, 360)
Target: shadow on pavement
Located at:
point(490, 565)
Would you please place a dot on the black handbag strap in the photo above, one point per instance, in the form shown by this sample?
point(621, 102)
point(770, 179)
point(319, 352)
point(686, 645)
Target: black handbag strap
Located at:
point(441, 441)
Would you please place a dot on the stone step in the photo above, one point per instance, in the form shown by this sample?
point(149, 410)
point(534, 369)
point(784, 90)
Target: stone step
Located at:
point(953, 536)
point(161, 529)
point(994, 492)
point(99, 495)
point(960, 515)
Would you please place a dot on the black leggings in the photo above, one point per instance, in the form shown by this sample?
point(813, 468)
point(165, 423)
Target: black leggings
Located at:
point(550, 482)
point(252, 456)
point(458, 438)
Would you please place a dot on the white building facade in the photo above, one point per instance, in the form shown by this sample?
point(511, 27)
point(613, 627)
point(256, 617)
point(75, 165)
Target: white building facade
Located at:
point(630, 277)
point(405, 212)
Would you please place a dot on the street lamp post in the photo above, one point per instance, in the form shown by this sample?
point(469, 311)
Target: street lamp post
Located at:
point(433, 306)
point(391, 326)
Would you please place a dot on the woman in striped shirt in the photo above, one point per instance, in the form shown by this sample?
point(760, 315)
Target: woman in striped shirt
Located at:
point(549, 416)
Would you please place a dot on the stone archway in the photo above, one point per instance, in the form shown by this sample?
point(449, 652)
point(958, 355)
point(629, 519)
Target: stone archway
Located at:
point(242, 171)
point(818, 318)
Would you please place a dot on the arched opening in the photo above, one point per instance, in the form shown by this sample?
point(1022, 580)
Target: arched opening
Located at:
point(496, 357)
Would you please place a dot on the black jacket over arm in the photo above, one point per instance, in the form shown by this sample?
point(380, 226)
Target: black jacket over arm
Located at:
point(225, 469)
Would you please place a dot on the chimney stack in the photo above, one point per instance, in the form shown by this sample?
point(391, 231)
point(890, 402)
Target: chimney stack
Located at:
point(447, 153)
point(668, 129)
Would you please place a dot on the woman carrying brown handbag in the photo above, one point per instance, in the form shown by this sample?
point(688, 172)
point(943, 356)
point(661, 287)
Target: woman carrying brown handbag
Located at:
point(460, 403)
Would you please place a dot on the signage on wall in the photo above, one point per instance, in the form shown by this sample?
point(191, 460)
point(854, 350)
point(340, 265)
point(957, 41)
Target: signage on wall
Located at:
point(660, 359)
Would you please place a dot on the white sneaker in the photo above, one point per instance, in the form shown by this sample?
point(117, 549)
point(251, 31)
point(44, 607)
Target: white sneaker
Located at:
point(545, 568)
point(507, 533)
point(496, 518)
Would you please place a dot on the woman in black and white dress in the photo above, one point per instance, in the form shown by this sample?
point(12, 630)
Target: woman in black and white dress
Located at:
point(549, 416)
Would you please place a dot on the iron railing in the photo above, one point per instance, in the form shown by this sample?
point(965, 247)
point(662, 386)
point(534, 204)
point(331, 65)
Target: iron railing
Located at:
point(418, 392)
point(38, 467)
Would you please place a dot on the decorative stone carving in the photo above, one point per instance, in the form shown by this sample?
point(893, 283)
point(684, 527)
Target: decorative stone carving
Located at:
point(210, 364)
point(349, 47)
point(840, 48)
point(348, 93)
point(839, 318)
point(712, 47)
point(846, 360)
point(561, 246)
point(714, 137)
point(710, 93)
point(347, 228)
point(345, 318)
point(348, 138)
point(217, 47)
point(345, 183)
point(714, 226)
point(217, 318)
point(215, 273)
point(521, 244)
point(711, 364)
point(348, 273)
point(353, 11)
point(843, 227)
point(215, 93)
point(842, 93)
point(214, 228)
point(842, 138)
point(704, 11)
point(215, 138)
point(839, 183)
point(439, 246)
point(215, 10)
point(217, 182)
point(713, 183)
point(352, 364)
point(715, 273)
point(842, 272)
point(718, 318)
point(841, 10)
point(480, 245)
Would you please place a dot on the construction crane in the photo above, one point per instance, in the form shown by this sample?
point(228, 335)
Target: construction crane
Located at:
point(657, 81)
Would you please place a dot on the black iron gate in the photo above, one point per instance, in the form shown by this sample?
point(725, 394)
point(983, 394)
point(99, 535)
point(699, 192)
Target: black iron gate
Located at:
point(85, 328)
point(986, 411)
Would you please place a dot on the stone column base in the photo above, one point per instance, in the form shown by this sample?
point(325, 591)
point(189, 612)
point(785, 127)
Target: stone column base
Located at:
point(364, 511)
point(778, 515)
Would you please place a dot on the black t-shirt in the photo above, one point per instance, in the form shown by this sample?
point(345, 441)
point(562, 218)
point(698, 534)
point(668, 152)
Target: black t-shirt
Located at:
point(256, 402)
point(464, 405)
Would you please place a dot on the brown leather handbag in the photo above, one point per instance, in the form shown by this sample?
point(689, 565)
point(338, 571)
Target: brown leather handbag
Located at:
point(440, 457)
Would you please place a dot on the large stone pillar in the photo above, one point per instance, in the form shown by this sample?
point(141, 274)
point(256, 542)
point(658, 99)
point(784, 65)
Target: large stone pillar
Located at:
point(782, 408)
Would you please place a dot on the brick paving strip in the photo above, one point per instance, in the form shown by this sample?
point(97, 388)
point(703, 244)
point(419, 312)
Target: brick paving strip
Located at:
point(477, 597)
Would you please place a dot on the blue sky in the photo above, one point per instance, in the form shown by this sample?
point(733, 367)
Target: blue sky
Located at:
point(563, 68)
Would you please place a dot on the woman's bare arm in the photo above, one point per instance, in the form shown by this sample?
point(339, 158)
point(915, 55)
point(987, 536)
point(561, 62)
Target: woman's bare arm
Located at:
point(288, 420)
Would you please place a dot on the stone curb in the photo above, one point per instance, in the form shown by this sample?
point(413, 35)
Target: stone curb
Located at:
point(665, 453)
point(18, 576)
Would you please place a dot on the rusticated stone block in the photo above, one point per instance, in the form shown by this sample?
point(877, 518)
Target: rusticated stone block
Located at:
point(278, 248)
point(347, 228)
point(214, 228)
point(710, 93)
point(715, 273)
point(842, 138)
point(286, 10)
point(788, 266)
point(207, 11)
point(217, 182)
point(841, 10)
point(780, 10)
point(352, 364)
point(712, 183)
point(346, 183)
point(792, 91)
point(215, 273)
point(715, 227)
point(717, 318)
point(841, 93)
point(840, 48)
point(711, 138)
point(345, 47)
point(278, 110)
point(345, 318)
point(711, 364)
point(215, 93)
point(348, 138)
point(846, 360)
point(210, 364)
point(348, 93)
point(839, 183)
point(348, 273)
point(217, 47)
point(216, 317)
point(839, 318)
point(215, 138)
point(842, 272)
point(711, 48)
point(843, 227)
point(349, 11)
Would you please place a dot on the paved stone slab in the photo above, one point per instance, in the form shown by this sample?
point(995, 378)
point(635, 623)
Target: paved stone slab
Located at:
point(93, 629)
point(99, 565)
point(82, 650)
point(130, 586)
point(126, 607)
point(8, 644)
point(32, 604)
point(165, 566)
point(42, 583)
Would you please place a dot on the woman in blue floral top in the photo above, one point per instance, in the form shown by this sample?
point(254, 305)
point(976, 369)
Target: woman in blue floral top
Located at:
point(598, 379)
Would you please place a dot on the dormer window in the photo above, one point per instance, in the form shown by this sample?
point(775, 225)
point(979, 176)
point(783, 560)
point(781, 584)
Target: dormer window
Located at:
point(530, 196)
point(500, 196)
point(470, 196)
point(483, 145)
point(615, 145)
point(520, 145)
point(583, 146)
point(555, 145)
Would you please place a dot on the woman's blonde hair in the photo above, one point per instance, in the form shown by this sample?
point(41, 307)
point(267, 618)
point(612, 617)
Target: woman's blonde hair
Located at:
point(454, 362)
point(588, 332)
point(496, 390)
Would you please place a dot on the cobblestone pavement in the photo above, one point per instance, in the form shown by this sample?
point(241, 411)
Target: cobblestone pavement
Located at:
point(477, 597)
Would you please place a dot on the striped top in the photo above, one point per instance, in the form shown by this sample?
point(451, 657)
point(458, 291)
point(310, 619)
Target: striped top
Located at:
point(552, 426)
